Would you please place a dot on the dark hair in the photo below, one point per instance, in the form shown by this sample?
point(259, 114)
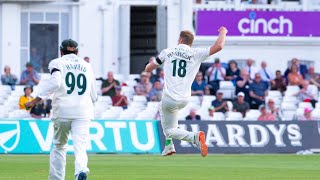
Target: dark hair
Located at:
point(233, 61)
point(69, 46)
point(25, 88)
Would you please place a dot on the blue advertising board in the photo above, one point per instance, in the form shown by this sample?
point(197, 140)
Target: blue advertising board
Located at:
point(252, 136)
point(36, 136)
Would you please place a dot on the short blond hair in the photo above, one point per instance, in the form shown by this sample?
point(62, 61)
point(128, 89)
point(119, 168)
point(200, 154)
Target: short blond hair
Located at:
point(186, 37)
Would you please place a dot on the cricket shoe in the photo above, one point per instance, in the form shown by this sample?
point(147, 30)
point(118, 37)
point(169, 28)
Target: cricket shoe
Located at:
point(200, 141)
point(81, 176)
point(169, 150)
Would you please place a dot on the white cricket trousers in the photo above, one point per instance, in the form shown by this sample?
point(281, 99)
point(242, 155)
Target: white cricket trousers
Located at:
point(169, 110)
point(79, 129)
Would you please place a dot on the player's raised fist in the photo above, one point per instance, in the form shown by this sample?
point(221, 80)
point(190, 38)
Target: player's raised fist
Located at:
point(223, 30)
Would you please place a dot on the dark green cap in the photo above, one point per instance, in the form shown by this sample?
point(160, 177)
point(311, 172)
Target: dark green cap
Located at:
point(29, 64)
point(69, 45)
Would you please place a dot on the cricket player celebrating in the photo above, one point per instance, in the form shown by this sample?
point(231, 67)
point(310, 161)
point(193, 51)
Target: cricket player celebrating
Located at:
point(181, 65)
point(73, 84)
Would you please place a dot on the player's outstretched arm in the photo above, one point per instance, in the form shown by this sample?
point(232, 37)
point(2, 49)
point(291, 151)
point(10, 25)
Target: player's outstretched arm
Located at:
point(219, 44)
point(151, 66)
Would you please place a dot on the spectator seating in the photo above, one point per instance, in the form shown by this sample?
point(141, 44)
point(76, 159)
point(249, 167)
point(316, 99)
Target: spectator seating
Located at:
point(140, 99)
point(134, 76)
point(130, 83)
point(299, 113)
point(230, 105)
point(218, 116)
point(252, 115)
point(234, 116)
point(288, 110)
point(128, 91)
point(305, 105)
point(139, 108)
point(291, 91)
point(19, 114)
point(146, 115)
point(291, 99)
point(127, 115)
point(194, 100)
point(228, 89)
point(316, 113)
point(119, 77)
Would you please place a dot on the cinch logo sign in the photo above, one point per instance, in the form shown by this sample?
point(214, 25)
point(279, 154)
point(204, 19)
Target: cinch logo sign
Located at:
point(255, 25)
point(259, 23)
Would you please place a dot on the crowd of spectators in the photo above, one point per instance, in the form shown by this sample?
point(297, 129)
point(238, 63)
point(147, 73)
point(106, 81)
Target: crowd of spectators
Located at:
point(29, 78)
point(251, 87)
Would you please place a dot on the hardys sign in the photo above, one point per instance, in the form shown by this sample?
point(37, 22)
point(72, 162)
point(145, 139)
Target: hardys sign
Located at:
point(252, 137)
point(36, 136)
point(259, 23)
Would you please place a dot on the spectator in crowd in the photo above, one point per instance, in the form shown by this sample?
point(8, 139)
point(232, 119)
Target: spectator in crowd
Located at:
point(307, 94)
point(306, 115)
point(252, 70)
point(144, 86)
point(219, 104)
point(265, 115)
point(198, 85)
point(210, 116)
point(8, 79)
point(216, 73)
point(274, 110)
point(243, 84)
point(313, 77)
point(207, 90)
point(87, 59)
point(156, 92)
point(118, 99)
point(35, 58)
point(26, 97)
point(294, 78)
point(301, 68)
point(258, 91)
point(279, 83)
point(39, 110)
point(239, 105)
point(29, 76)
point(232, 72)
point(193, 116)
point(161, 77)
point(265, 72)
point(108, 85)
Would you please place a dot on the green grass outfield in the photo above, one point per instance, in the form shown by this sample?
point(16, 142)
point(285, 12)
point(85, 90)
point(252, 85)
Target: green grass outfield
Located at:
point(127, 167)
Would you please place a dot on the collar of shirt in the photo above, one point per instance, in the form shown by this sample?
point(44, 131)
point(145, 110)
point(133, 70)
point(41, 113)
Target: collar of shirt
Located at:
point(184, 46)
point(70, 56)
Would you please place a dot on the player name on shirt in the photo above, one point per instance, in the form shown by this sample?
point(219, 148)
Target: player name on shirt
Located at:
point(180, 54)
point(76, 67)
